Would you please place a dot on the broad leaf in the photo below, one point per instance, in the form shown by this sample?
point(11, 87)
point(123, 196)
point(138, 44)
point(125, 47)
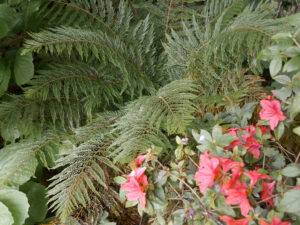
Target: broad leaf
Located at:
point(291, 171)
point(17, 204)
point(5, 215)
point(275, 66)
point(290, 202)
point(23, 68)
point(36, 194)
point(295, 108)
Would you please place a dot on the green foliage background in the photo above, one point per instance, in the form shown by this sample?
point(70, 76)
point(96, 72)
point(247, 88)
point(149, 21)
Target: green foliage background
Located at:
point(87, 85)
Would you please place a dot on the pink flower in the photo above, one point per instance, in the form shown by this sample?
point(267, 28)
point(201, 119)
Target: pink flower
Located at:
point(275, 221)
point(238, 196)
point(252, 144)
point(230, 221)
point(271, 111)
point(140, 159)
point(207, 172)
point(267, 190)
point(135, 186)
point(228, 164)
point(255, 176)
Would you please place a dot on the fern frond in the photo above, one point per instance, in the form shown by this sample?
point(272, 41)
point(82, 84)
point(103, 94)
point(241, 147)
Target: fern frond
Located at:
point(83, 166)
point(21, 117)
point(147, 119)
point(135, 61)
point(94, 15)
point(215, 57)
point(79, 81)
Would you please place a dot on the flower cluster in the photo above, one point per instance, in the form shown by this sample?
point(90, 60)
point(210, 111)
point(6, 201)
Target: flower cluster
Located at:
point(238, 185)
point(137, 183)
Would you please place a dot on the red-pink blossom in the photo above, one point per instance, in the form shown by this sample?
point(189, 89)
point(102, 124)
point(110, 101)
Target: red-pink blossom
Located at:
point(231, 221)
point(208, 171)
point(238, 196)
point(255, 176)
point(140, 159)
point(275, 221)
point(266, 193)
point(252, 145)
point(271, 110)
point(135, 186)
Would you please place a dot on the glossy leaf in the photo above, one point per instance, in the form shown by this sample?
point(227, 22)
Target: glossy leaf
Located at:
point(17, 204)
point(23, 68)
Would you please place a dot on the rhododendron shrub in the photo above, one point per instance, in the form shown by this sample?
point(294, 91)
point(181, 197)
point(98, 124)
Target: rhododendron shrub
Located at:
point(232, 174)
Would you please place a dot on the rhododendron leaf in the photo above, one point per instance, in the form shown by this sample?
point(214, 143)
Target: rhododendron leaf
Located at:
point(297, 130)
point(275, 65)
point(225, 140)
point(283, 93)
point(122, 194)
point(290, 202)
point(131, 203)
point(203, 137)
point(279, 161)
point(149, 208)
point(292, 65)
point(217, 131)
point(223, 208)
point(158, 204)
point(161, 178)
point(279, 130)
point(291, 171)
point(120, 180)
point(295, 108)
point(179, 216)
point(283, 79)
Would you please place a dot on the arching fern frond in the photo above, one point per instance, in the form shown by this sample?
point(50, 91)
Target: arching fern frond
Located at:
point(21, 117)
point(84, 165)
point(148, 120)
point(215, 57)
point(80, 81)
point(94, 15)
point(133, 60)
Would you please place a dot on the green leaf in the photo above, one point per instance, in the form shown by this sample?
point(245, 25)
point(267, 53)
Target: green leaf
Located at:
point(217, 131)
point(290, 202)
point(3, 29)
point(224, 208)
point(295, 107)
point(17, 204)
point(225, 140)
point(292, 65)
point(36, 194)
point(23, 68)
point(282, 79)
point(131, 203)
point(279, 130)
point(291, 171)
point(275, 66)
point(4, 76)
point(5, 215)
point(296, 130)
point(294, 19)
point(120, 180)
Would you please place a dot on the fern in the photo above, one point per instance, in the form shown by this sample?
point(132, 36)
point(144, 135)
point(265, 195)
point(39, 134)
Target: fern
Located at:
point(125, 45)
point(147, 119)
point(215, 57)
point(83, 166)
